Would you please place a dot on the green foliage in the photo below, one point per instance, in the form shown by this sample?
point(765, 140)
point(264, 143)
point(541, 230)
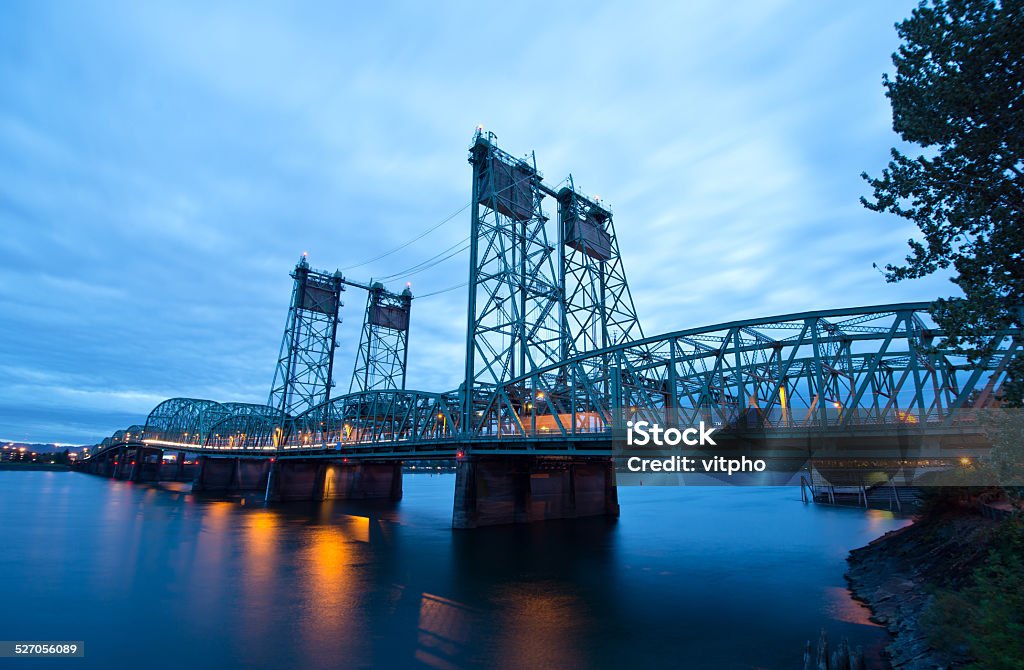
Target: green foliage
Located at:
point(1006, 429)
point(938, 501)
point(958, 93)
point(985, 622)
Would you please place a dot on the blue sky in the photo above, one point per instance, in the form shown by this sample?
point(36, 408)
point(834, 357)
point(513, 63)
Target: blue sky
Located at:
point(163, 165)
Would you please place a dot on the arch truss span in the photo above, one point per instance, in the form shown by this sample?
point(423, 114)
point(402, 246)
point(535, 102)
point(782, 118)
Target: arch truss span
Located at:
point(183, 421)
point(826, 369)
point(204, 425)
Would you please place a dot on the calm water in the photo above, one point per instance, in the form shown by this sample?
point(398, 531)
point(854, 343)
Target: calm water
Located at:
point(688, 577)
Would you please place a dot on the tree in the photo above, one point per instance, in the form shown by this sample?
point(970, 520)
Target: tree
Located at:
point(958, 94)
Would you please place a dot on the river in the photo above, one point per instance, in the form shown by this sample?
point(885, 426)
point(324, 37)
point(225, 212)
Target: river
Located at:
point(688, 577)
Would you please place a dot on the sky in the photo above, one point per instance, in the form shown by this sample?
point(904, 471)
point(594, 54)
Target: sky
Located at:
point(163, 166)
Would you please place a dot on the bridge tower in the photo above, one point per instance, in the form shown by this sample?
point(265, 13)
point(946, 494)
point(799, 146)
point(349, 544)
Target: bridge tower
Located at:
point(513, 312)
point(384, 342)
point(305, 367)
point(598, 310)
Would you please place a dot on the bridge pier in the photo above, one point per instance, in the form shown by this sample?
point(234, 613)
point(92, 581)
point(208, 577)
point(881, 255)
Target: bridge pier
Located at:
point(494, 490)
point(179, 467)
point(327, 479)
point(226, 475)
point(121, 464)
point(145, 464)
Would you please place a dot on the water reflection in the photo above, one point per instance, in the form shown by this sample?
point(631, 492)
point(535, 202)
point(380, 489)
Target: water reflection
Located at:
point(841, 607)
point(443, 631)
point(332, 616)
point(715, 578)
point(259, 569)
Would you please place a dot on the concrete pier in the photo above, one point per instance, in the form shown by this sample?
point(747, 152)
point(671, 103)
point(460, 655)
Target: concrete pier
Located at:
point(489, 489)
point(334, 479)
point(228, 475)
point(494, 490)
point(177, 470)
point(144, 463)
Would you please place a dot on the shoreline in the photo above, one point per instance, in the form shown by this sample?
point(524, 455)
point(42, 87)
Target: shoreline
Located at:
point(55, 467)
point(896, 576)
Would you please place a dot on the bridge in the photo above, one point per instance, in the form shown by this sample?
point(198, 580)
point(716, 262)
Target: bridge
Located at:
point(556, 365)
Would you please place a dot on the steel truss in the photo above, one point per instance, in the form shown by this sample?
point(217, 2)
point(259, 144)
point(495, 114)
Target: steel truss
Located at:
point(513, 322)
point(374, 417)
point(830, 369)
point(598, 310)
point(304, 374)
point(559, 354)
point(384, 342)
point(833, 369)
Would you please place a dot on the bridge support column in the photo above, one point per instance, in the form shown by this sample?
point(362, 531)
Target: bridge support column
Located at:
point(122, 466)
point(179, 467)
point(147, 462)
point(494, 490)
point(230, 475)
point(334, 479)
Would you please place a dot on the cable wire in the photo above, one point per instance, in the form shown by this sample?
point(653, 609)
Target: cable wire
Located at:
point(415, 239)
point(436, 259)
point(440, 291)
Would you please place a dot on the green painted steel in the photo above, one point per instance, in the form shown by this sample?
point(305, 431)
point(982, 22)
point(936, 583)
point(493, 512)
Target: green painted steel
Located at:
point(556, 358)
point(829, 370)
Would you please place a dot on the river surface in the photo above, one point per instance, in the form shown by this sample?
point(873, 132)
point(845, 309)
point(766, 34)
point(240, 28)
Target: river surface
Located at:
point(688, 577)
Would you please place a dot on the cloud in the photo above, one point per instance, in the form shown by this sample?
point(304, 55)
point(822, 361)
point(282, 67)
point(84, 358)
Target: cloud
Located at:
point(162, 166)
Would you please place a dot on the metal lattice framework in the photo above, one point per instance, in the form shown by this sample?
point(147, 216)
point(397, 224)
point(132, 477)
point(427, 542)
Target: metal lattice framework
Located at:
point(246, 426)
point(186, 421)
point(598, 310)
point(826, 369)
point(513, 309)
point(376, 417)
point(305, 366)
point(555, 359)
point(384, 342)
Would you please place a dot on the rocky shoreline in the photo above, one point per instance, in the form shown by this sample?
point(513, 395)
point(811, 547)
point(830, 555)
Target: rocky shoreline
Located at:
point(896, 575)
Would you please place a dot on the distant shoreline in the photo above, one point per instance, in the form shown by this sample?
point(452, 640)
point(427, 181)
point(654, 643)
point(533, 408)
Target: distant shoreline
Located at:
point(35, 466)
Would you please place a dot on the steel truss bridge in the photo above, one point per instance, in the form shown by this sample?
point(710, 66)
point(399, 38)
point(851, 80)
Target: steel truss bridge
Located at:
point(831, 370)
point(556, 359)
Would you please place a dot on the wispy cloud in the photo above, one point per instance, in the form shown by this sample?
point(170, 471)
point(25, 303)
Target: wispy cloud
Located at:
point(162, 166)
